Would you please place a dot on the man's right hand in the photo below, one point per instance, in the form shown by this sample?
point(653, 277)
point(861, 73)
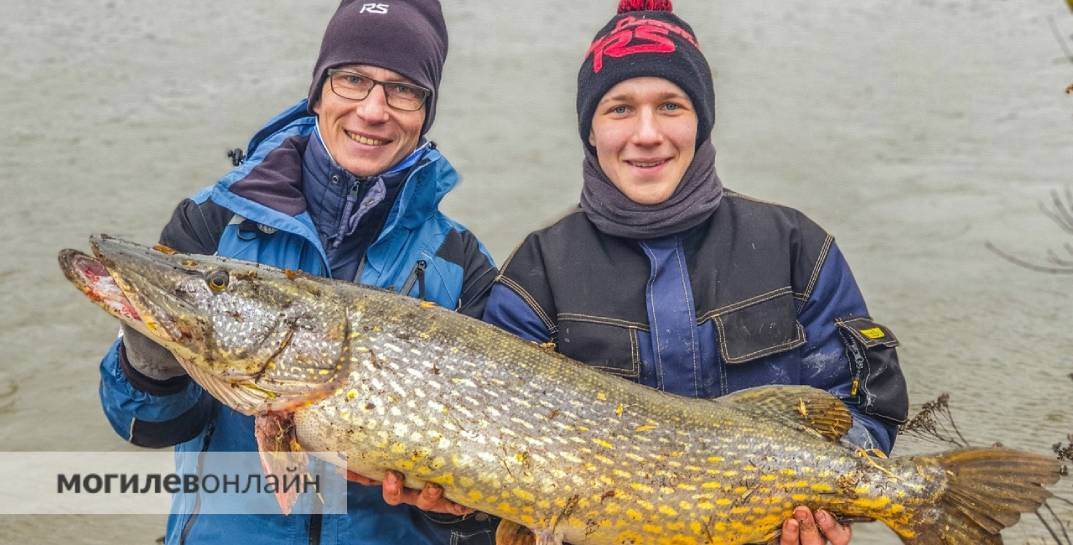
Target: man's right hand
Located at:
point(430, 498)
point(148, 357)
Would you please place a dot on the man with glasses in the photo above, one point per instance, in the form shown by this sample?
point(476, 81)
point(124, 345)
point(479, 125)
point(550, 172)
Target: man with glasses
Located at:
point(344, 185)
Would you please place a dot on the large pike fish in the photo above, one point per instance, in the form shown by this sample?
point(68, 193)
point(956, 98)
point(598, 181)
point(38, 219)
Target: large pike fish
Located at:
point(513, 429)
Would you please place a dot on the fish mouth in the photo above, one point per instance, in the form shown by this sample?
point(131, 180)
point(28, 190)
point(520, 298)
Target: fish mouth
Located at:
point(141, 274)
point(93, 279)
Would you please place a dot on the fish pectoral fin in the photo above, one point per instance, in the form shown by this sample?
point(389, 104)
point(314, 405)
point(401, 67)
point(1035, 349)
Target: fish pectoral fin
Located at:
point(512, 533)
point(811, 408)
point(281, 455)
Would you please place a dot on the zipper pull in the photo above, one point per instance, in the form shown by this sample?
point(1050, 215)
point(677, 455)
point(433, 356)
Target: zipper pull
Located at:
point(420, 271)
point(858, 363)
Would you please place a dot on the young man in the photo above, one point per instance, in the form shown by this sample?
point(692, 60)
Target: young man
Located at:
point(664, 277)
point(343, 184)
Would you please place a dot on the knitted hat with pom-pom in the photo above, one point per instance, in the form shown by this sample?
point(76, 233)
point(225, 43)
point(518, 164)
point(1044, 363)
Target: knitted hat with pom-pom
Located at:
point(645, 39)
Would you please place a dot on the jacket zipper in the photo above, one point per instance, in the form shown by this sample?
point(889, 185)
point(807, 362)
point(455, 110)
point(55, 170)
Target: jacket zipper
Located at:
point(197, 498)
point(858, 364)
point(315, 522)
point(416, 277)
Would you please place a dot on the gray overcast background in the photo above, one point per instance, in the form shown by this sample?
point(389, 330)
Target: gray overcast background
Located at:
point(915, 131)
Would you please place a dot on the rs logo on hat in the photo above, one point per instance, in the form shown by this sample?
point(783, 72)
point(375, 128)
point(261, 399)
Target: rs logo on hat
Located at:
point(374, 8)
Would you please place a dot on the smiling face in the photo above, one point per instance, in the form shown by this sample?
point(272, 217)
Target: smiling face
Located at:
point(645, 132)
point(367, 137)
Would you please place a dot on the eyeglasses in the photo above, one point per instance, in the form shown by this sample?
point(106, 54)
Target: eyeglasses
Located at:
point(355, 86)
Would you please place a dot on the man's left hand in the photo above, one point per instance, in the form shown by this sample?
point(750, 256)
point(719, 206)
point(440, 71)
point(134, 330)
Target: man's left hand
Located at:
point(806, 529)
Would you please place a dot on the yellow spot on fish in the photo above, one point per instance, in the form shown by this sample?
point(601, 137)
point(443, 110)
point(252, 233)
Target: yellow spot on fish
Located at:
point(601, 396)
point(685, 505)
point(603, 443)
point(668, 511)
point(621, 473)
point(646, 504)
point(351, 394)
point(687, 486)
point(822, 488)
point(705, 505)
point(872, 503)
point(723, 501)
point(507, 508)
point(633, 514)
point(749, 468)
point(324, 372)
point(640, 487)
point(528, 520)
point(740, 490)
point(897, 508)
point(644, 428)
point(730, 473)
point(523, 494)
point(767, 478)
point(428, 304)
point(711, 484)
point(619, 409)
point(696, 527)
point(788, 472)
point(715, 459)
point(799, 497)
point(652, 528)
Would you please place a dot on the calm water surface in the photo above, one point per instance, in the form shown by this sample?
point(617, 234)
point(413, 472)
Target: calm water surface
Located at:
point(915, 131)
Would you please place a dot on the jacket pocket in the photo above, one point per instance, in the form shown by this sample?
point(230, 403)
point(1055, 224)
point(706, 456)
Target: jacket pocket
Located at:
point(757, 327)
point(607, 344)
point(878, 385)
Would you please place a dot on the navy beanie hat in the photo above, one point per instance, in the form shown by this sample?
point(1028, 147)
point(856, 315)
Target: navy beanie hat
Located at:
point(645, 39)
point(405, 36)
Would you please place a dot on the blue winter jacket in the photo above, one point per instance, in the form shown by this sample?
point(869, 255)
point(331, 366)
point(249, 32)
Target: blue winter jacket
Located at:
point(419, 252)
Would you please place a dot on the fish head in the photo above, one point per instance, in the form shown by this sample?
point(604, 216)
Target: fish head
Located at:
point(258, 338)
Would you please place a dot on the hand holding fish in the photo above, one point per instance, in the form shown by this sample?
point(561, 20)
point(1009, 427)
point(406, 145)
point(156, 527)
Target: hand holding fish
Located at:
point(806, 529)
point(430, 498)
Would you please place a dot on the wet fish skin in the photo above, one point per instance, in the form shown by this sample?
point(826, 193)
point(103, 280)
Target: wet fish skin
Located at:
point(526, 434)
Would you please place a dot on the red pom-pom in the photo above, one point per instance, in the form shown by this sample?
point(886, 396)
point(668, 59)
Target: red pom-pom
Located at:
point(625, 6)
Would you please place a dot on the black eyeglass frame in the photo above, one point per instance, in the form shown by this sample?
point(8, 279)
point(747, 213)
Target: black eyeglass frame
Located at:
point(424, 93)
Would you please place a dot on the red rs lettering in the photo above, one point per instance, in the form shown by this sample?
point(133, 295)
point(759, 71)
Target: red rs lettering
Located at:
point(599, 47)
point(658, 42)
point(652, 39)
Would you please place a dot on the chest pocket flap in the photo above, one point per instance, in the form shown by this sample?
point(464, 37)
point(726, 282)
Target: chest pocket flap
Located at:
point(607, 344)
point(757, 327)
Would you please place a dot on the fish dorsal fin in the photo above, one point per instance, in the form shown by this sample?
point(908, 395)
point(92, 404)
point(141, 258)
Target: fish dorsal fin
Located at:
point(813, 409)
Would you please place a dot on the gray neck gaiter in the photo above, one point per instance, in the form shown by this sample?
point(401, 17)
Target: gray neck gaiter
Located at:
point(693, 201)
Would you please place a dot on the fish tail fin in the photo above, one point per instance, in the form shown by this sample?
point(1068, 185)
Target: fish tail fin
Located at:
point(986, 491)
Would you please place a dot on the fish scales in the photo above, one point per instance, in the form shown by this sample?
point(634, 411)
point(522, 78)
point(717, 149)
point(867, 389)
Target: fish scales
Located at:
point(521, 432)
point(602, 479)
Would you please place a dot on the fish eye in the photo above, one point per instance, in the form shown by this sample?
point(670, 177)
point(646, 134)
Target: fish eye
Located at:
point(218, 280)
